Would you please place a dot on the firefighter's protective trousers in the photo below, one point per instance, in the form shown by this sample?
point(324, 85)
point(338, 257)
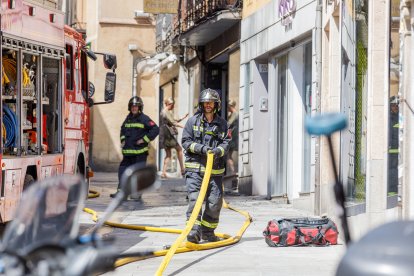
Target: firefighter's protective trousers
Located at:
point(214, 199)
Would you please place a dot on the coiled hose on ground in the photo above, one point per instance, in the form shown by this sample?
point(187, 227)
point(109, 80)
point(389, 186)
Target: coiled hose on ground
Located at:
point(180, 246)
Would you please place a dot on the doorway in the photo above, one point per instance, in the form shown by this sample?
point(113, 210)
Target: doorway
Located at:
point(280, 184)
point(292, 103)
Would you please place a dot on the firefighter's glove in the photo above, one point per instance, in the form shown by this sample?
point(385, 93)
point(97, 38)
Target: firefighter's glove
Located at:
point(140, 141)
point(206, 149)
point(216, 151)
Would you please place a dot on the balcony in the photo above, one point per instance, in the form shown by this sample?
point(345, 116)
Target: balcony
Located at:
point(52, 4)
point(201, 21)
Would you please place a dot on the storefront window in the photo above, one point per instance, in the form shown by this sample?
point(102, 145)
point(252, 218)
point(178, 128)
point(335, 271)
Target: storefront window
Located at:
point(354, 42)
point(393, 126)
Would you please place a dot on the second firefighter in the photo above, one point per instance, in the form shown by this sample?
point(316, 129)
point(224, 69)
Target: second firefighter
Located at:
point(137, 131)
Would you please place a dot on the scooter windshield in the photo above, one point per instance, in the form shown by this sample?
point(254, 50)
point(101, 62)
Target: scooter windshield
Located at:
point(48, 214)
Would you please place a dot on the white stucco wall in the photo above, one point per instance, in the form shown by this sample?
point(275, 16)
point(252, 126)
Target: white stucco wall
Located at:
point(262, 37)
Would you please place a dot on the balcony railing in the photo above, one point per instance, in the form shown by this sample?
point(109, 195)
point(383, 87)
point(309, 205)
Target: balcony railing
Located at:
point(193, 12)
point(53, 4)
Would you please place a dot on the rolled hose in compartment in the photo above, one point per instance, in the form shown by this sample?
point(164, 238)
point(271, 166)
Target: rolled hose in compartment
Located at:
point(10, 124)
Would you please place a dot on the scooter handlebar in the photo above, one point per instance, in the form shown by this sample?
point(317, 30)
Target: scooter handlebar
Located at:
point(90, 260)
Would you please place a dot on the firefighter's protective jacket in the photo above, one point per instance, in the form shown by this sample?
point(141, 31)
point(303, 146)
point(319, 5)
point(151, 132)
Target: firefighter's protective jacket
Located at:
point(198, 133)
point(135, 128)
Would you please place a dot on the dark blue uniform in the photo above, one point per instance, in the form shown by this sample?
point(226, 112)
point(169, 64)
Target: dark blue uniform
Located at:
point(199, 135)
point(133, 129)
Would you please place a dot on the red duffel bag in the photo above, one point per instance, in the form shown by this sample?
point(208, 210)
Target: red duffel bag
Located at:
point(301, 231)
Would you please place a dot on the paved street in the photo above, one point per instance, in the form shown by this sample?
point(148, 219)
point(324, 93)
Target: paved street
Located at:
point(251, 256)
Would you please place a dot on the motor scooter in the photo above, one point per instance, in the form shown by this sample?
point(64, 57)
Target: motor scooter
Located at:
point(385, 250)
point(44, 238)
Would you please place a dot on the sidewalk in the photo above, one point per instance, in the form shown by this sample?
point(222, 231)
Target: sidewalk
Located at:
point(250, 256)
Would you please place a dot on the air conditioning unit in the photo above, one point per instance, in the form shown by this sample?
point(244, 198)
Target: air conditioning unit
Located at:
point(141, 14)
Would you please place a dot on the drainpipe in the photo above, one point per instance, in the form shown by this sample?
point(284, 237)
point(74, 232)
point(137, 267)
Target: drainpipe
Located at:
point(317, 102)
point(146, 66)
point(134, 76)
point(171, 59)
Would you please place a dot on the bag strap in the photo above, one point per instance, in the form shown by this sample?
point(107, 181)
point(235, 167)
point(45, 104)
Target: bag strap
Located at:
point(299, 236)
point(307, 221)
point(319, 237)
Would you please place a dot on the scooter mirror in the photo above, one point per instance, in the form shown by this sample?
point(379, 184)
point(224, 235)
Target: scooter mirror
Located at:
point(325, 124)
point(138, 178)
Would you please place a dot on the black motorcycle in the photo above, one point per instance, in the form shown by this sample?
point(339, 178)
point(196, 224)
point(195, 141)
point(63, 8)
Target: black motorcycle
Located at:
point(44, 239)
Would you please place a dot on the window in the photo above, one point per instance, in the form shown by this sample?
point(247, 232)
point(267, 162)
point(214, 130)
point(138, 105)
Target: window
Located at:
point(84, 74)
point(247, 88)
point(69, 67)
point(393, 116)
point(354, 103)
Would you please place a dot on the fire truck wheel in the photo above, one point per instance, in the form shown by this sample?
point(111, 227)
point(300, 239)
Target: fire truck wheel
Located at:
point(28, 179)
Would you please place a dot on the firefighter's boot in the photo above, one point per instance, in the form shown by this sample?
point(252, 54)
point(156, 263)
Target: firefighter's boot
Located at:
point(195, 234)
point(136, 196)
point(207, 234)
point(114, 194)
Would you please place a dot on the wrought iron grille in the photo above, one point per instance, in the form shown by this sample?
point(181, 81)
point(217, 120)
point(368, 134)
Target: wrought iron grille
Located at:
point(194, 12)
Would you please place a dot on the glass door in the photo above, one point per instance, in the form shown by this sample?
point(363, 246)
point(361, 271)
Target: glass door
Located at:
point(280, 185)
point(307, 104)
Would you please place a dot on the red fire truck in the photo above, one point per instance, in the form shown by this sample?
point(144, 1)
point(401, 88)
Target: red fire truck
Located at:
point(45, 97)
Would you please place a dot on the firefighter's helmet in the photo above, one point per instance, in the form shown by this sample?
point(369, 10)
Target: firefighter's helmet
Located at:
point(135, 100)
point(209, 95)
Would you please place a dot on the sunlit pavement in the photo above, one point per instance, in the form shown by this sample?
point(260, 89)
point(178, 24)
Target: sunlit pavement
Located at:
point(251, 256)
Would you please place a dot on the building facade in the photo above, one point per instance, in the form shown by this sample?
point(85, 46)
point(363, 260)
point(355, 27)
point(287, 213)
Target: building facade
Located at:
point(277, 82)
point(206, 37)
point(280, 61)
point(129, 33)
point(303, 57)
point(402, 19)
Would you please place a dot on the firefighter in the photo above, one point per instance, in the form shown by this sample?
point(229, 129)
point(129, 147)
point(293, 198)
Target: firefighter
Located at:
point(205, 132)
point(136, 132)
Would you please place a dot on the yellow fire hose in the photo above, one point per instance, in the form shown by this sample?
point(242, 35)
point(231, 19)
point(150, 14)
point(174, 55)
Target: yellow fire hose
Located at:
point(179, 245)
point(93, 194)
point(193, 217)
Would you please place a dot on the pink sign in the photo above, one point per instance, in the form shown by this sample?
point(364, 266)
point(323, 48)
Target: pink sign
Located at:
point(287, 10)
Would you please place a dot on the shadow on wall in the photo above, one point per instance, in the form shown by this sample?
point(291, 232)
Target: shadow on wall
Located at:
point(106, 154)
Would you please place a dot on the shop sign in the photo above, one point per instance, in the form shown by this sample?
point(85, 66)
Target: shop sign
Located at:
point(395, 8)
point(287, 9)
point(160, 6)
